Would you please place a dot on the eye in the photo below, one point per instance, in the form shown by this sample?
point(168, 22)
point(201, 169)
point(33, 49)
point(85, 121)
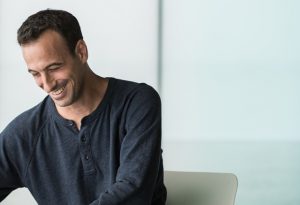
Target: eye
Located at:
point(53, 68)
point(35, 74)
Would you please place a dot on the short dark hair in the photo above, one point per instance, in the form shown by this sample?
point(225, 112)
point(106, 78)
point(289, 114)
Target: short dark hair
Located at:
point(60, 21)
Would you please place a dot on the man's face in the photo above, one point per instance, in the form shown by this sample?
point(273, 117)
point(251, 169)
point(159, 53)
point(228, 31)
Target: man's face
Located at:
point(54, 69)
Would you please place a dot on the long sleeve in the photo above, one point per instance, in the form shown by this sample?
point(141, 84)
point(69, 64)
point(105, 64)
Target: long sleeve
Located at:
point(9, 179)
point(140, 153)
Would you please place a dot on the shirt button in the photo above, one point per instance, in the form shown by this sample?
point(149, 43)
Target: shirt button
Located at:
point(83, 139)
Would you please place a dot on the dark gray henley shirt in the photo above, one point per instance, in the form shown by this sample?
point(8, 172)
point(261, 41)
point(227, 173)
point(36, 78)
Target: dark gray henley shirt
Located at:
point(115, 158)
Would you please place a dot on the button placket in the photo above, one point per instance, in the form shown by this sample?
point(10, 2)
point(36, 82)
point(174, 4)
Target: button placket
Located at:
point(86, 153)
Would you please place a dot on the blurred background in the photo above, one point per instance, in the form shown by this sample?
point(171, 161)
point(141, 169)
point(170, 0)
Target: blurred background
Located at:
point(227, 71)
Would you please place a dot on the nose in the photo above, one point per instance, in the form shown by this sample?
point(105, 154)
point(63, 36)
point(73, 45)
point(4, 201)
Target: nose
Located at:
point(46, 82)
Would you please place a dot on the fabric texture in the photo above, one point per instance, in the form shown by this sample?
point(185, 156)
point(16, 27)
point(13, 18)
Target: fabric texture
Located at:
point(115, 158)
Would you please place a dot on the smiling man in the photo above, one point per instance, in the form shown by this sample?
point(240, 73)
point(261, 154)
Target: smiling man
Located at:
point(92, 140)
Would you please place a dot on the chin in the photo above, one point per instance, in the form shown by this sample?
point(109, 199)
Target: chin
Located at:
point(62, 103)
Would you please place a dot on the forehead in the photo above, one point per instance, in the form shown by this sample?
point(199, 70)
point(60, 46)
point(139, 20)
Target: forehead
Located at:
point(48, 40)
point(50, 46)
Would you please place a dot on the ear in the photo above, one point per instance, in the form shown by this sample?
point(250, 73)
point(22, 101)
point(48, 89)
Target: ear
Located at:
point(81, 51)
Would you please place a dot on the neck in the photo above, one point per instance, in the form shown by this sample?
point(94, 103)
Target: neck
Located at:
point(91, 96)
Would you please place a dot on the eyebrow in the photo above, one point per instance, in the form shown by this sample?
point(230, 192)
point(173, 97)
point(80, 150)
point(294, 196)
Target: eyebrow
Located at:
point(48, 66)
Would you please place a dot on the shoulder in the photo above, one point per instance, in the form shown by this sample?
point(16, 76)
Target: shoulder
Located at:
point(136, 102)
point(18, 139)
point(27, 124)
point(129, 90)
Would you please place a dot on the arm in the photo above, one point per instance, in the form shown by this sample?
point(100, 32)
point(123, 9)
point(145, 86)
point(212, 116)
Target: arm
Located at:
point(140, 153)
point(9, 179)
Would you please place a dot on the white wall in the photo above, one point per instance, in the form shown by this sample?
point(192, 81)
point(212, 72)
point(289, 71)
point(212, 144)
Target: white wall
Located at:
point(121, 37)
point(231, 70)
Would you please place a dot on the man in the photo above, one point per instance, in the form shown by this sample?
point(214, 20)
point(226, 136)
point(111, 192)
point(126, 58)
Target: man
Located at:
point(92, 140)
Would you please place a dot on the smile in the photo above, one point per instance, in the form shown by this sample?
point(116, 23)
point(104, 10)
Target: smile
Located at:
point(58, 91)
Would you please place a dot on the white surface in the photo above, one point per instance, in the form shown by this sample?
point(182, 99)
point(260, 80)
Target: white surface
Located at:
point(19, 196)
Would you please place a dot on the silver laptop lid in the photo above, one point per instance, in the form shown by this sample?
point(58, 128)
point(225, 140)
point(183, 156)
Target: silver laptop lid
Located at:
point(200, 188)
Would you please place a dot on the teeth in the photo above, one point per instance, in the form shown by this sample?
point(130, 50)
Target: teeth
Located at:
point(58, 91)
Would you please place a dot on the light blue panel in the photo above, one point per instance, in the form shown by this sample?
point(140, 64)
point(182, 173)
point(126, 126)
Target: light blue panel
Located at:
point(268, 172)
point(231, 70)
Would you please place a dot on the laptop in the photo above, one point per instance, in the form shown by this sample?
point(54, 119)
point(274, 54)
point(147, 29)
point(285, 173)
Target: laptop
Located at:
point(200, 188)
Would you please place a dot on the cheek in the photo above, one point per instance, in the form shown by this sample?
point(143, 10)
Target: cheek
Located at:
point(73, 77)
